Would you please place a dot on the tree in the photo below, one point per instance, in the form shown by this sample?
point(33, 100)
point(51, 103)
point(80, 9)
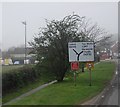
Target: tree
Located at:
point(51, 45)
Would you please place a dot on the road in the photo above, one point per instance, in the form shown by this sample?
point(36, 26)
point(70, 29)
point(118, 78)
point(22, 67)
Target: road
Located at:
point(109, 96)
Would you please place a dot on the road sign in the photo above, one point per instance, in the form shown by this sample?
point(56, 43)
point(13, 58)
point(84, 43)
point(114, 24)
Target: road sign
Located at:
point(81, 51)
point(74, 65)
point(90, 65)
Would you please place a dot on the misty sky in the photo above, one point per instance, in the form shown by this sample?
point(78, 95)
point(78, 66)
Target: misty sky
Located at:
point(105, 14)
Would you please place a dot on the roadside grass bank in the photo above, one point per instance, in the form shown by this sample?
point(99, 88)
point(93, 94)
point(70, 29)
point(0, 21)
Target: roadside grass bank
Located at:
point(15, 93)
point(65, 93)
point(24, 77)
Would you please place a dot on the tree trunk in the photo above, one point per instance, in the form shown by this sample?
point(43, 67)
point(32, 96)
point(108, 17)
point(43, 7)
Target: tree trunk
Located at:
point(61, 77)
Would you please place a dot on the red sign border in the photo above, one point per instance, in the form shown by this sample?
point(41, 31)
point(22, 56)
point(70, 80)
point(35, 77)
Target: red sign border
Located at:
point(72, 68)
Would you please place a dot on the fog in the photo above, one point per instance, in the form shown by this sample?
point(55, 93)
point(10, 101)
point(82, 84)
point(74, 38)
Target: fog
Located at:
point(104, 13)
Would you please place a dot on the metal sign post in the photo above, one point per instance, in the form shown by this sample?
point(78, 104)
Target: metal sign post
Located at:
point(90, 73)
point(90, 77)
point(75, 78)
point(90, 66)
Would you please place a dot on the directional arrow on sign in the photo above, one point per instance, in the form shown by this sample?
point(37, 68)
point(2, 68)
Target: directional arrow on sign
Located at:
point(77, 54)
point(81, 51)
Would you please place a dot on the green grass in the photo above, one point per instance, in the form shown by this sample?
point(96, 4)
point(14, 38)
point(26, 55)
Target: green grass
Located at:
point(20, 91)
point(0, 101)
point(17, 92)
point(65, 93)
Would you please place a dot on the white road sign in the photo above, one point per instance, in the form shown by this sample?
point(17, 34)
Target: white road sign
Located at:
point(81, 51)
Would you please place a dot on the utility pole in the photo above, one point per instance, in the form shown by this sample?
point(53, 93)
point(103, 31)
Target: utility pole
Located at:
point(25, 40)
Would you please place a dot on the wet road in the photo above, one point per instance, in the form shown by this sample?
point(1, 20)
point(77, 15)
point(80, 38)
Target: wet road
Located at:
point(110, 96)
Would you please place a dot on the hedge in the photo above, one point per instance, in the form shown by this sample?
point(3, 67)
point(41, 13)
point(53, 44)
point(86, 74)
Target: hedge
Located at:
point(18, 78)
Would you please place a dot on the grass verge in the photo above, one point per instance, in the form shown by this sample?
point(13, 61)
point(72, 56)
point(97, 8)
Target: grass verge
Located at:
point(65, 93)
point(20, 91)
point(15, 92)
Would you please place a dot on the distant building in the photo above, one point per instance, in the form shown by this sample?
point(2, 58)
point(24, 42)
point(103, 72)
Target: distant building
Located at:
point(110, 53)
point(18, 55)
point(7, 61)
point(104, 56)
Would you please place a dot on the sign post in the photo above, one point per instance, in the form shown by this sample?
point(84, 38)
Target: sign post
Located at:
point(75, 78)
point(90, 65)
point(90, 73)
point(81, 52)
point(75, 67)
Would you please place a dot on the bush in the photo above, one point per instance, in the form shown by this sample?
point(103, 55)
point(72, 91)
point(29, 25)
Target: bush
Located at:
point(17, 78)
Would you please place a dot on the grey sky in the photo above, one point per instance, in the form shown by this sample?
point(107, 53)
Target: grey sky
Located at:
point(105, 14)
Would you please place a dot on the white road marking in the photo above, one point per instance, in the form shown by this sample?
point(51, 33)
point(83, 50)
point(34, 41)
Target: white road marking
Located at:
point(113, 86)
point(102, 96)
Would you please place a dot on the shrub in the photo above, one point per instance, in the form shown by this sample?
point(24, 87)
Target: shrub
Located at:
point(17, 78)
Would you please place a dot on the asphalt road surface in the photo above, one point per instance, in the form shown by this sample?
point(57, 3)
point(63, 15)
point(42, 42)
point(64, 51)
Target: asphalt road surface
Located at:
point(110, 96)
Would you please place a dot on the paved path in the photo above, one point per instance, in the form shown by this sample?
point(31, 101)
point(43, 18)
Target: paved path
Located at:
point(30, 92)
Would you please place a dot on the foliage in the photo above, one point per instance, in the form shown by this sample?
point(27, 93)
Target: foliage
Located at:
point(51, 45)
point(21, 79)
point(17, 78)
